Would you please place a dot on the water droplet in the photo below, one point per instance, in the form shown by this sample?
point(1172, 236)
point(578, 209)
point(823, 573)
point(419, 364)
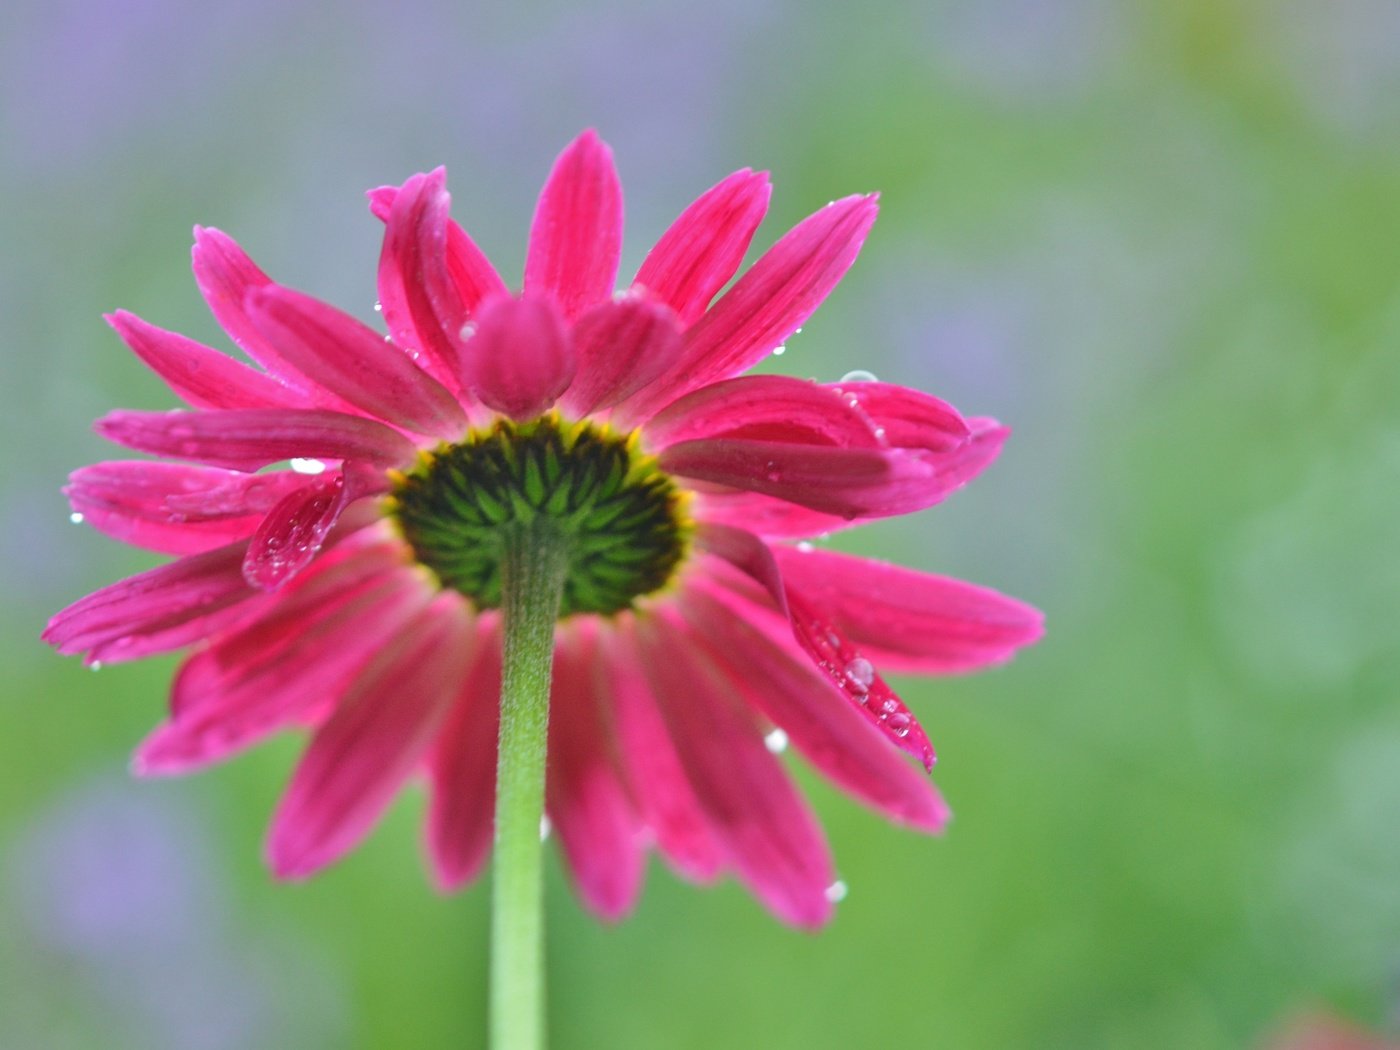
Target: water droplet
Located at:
point(76, 517)
point(307, 466)
point(890, 706)
point(805, 547)
point(861, 673)
point(776, 741)
point(96, 665)
point(899, 724)
point(779, 351)
point(467, 330)
point(378, 306)
point(545, 828)
point(388, 338)
point(797, 330)
point(837, 891)
point(772, 472)
point(859, 375)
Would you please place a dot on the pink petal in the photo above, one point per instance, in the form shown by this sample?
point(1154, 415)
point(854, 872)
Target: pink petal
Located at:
point(767, 304)
point(660, 787)
point(131, 501)
point(908, 620)
point(576, 237)
point(520, 359)
point(354, 362)
point(201, 375)
point(378, 734)
point(906, 418)
point(294, 530)
point(622, 346)
point(225, 276)
point(847, 667)
point(698, 255)
point(249, 438)
point(852, 482)
point(169, 596)
point(287, 667)
point(233, 493)
point(765, 515)
point(431, 276)
point(777, 679)
point(462, 770)
point(475, 278)
point(764, 407)
point(598, 830)
point(754, 809)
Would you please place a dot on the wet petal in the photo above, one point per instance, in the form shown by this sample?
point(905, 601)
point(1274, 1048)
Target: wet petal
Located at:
point(520, 359)
point(777, 679)
point(767, 304)
point(199, 374)
point(906, 418)
point(576, 237)
point(621, 346)
point(375, 738)
point(246, 439)
point(766, 407)
point(293, 531)
point(354, 362)
point(765, 515)
point(907, 620)
point(766, 828)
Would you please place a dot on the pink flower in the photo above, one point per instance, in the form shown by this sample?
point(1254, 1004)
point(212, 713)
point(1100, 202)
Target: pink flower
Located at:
point(356, 596)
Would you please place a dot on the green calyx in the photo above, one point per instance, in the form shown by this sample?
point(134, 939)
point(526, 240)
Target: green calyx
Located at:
point(620, 517)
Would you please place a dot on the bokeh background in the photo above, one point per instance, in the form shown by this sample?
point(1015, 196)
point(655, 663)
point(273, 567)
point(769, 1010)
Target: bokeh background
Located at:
point(1162, 240)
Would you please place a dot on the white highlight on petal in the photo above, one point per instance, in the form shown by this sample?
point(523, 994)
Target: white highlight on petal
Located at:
point(307, 466)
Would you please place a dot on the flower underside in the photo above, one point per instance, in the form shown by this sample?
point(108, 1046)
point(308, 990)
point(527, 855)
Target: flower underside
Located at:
point(622, 519)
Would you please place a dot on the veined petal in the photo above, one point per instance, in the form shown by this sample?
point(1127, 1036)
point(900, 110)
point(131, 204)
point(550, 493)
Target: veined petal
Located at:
point(906, 418)
point(164, 597)
point(701, 251)
point(199, 374)
point(521, 358)
point(766, 304)
point(354, 362)
point(249, 684)
point(576, 237)
point(764, 407)
point(225, 276)
point(777, 680)
point(852, 482)
point(293, 531)
point(375, 738)
point(249, 438)
point(765, 515)
point(598, 829)
point(622, 346)
point(462, 769)
point(476, 280)
point(767, 829)
point(654, 770)
point(908, 620)
point(132, 501)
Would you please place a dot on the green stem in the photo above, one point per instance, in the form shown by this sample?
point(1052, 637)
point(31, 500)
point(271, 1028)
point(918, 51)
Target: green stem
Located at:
point(532, 581)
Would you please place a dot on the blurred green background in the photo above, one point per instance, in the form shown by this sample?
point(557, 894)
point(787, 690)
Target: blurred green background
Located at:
point(1162, 240)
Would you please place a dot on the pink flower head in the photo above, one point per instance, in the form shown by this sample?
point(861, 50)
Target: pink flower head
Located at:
point(355, 594)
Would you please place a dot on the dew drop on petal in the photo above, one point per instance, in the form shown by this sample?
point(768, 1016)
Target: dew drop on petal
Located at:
point(76, 517)
point(776, 741)
point(545, 828)
point(307, 466)
point(837, 891)
point(96, 665)
point(805, 547)
point(899, 724)
point(378, 306)
point(861, 673)
point(858, 375)
point(467, 330)
point(779, 351)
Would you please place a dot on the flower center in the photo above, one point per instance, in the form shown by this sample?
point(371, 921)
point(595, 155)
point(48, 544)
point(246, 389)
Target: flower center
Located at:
point(621, 518)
